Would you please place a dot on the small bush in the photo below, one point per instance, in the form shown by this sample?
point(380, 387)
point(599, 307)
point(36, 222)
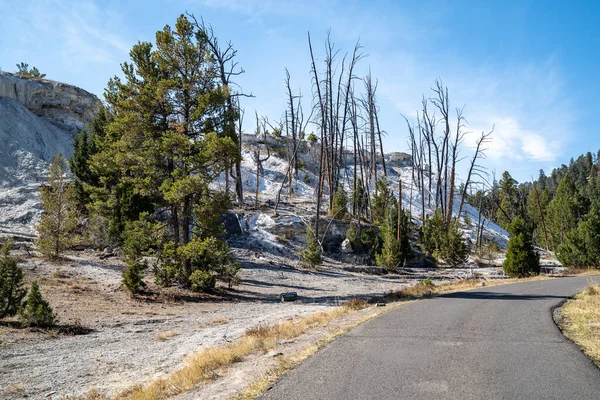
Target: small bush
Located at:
point(340, 203)
point(428, 282)
point(521, 258)
point(364, 239)
point(12, 291)
point(312, 138)
point(356, 303)
point(312, 254)
point(444, 240)
point(306, 178)
point(133, 277)
point(202, 281)
point(301, 164)
point(36, 311)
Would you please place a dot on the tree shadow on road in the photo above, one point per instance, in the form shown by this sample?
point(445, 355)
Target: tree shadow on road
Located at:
point(481, 295)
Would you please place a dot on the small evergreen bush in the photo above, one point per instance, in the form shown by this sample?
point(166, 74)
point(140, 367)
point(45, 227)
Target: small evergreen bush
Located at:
point(521, 258)
point(36, 311)
point(12, 291)
point(133, 277)
point(340, 203)
point(444, 240)
point(312, 253)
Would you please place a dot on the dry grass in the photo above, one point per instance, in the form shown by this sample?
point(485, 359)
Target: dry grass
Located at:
point(572, 271)
point(356, 303)
point(210, 363)
point(580, 321)
point(423, 290)
point(167, 334)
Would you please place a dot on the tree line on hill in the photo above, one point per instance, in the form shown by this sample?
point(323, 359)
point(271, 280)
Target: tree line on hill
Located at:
point(561, 211)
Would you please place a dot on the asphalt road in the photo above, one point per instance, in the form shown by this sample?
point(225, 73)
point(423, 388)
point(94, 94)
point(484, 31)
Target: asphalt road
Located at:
point(491, 343)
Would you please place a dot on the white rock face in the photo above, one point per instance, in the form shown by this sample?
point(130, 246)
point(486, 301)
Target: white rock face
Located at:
point(38, 119)
point(347, 246)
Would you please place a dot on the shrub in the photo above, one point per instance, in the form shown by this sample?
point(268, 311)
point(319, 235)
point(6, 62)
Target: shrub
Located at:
point(312, 254)
point(133, 277)
point(312, 138)
point(202, 281)
point(444, 240)
point(428, 282)
point(340, 203)
point(306, 178)
point(12, 291)
point(391, 256)
point(381, 202)
point(364, 238)
point(36, 311)
point(356, 303)
point(301, 164)
point(521, 258)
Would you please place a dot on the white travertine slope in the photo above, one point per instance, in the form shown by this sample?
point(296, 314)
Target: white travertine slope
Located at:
point(38, 119)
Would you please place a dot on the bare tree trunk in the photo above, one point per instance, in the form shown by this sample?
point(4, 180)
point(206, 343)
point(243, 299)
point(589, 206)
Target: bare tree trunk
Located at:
point(399, 209)
point(474, 168)
point(319, 190)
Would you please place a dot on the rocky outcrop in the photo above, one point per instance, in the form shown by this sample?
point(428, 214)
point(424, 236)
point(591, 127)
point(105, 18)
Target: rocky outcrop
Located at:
point(38, 119)
point(65, 106)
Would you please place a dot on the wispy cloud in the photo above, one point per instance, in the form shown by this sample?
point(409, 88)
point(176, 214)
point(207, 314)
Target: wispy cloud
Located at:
point(80, 32)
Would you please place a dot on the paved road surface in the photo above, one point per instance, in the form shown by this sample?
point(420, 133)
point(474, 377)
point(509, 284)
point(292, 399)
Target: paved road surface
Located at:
point(491, 343)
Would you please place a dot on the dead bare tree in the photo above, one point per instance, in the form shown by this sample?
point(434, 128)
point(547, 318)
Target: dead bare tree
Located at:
point(257, 159)
point(474, 168)
point(227, 69)
point(458, 139)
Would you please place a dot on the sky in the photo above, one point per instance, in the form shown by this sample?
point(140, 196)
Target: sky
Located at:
point(526, 68)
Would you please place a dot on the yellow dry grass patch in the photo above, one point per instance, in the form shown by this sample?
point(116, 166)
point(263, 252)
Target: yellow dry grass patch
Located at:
point(421, 290)
point(572, 271)
point(167, 334)
point(209, 363)
point(580, 321)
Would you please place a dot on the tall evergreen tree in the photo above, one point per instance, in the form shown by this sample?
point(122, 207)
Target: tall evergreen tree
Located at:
point(163, 139)
point(564, 212)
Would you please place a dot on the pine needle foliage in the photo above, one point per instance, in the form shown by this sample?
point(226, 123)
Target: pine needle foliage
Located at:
point(58, 223)
point(36, 311)
point(312, 253)
point(443, 240)
point(340, 203)
point(12, 291)
point(521, 258)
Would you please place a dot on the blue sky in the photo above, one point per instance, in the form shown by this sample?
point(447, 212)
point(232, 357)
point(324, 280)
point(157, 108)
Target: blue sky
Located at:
point(527, 67)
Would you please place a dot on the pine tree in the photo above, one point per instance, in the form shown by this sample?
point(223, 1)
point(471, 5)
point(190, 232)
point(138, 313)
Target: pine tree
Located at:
point(312, 253)
point(521, 258)
point(36, 311)
point(582, 245)
point(381, 201)
point(357, 198)
point(391, 256)
point(509, 203)
point(58, 222)
point(12, 291)
point(443, 239)
point(564, 212)
point(340, 203)
point(168, 138)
